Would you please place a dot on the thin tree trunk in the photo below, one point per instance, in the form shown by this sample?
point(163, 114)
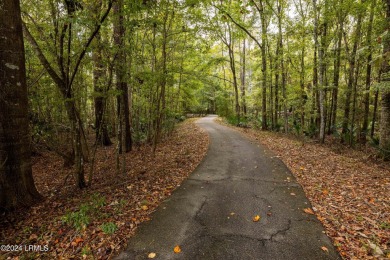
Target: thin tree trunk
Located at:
point(336, 76)
point(321, 61)
point(263, 65)
point(242, 76)
point(374, 115)
point(121, 84)
point(282, 67)
point(351, 140)
point(364, 132)
point(315, 68)
point(352, 64)
point(101, 131)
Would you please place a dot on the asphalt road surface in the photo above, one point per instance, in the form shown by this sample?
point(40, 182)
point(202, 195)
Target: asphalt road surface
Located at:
point(210, 215)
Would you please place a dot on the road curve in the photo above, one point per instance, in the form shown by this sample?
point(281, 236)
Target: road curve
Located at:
point(210, 215)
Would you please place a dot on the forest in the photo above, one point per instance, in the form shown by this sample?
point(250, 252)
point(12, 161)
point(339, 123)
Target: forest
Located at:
point(85, 81)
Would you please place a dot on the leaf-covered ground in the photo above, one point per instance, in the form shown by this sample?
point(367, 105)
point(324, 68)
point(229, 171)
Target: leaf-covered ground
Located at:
point(349, 191)
point(96, 223)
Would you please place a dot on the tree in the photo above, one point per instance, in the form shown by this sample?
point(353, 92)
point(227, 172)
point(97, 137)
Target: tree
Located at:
point(125, 141)
point(347, 131)
point(100, 100)
point(385, 78)
point(17, 186)
point(65, 77)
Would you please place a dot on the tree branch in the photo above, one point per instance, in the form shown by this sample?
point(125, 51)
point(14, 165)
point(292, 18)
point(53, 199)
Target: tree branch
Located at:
point(57, 79)
point(240, 26)
point(82, 54)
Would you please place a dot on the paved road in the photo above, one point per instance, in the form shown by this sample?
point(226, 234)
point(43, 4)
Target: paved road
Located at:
point(210, 215)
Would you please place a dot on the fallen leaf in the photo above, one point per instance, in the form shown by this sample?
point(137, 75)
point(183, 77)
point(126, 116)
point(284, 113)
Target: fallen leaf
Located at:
point(232, 214)
point(152, 255)
point(292, 194)
point(144, 207)
point(324, 248)
point(325, 192)
point(33, 237)
point(256, 218)
point(78, 240)
point(308, 211)
point(177, 249)
point(376, 251)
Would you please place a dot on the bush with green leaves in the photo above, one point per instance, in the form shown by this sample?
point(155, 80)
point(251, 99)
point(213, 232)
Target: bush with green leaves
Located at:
point(109, 228)
point(80, 219)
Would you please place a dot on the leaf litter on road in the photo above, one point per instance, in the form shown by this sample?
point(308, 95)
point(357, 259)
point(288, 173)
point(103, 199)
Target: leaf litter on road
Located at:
point(350, 190)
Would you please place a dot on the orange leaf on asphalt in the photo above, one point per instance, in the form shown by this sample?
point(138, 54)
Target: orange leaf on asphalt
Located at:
point(177, 249)
point(324, 248)
point(309, 211)
point(256, 218)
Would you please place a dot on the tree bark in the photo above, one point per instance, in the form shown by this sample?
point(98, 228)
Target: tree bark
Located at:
point(235, 83)
point(282, 67)
point(264, 124)
point(17, 186)
point(322, 74)
point(102, 136)
point(374, 114)
point(242, 76)
point(336, 77)
point(315, 68)
point(364, 131)
point(384, 143)
point(121, 84)
point(352, 64)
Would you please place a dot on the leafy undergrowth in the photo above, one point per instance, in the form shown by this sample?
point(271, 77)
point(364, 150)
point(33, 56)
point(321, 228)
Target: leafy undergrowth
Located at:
point(349, 191)
point(95, 223)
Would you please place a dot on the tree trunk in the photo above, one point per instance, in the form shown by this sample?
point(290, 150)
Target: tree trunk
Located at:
point(352, 63)
point(315, 67)
point(351, 140)
point(235, 84)
point(17, 186)
point(282, 67)
point(322, 70)
point(374, 113)
point(336, 77)
point(263, 66)
point(364, 132)
point(101, 131)
point(384, 143)
point(121, 84)
point(243, 68)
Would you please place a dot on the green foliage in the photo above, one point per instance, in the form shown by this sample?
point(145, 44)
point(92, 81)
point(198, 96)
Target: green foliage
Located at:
point(385, 225)
point(311, 131)
point(86, 251)
point(80, 219)
point(234, 120)
point(109, 228)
